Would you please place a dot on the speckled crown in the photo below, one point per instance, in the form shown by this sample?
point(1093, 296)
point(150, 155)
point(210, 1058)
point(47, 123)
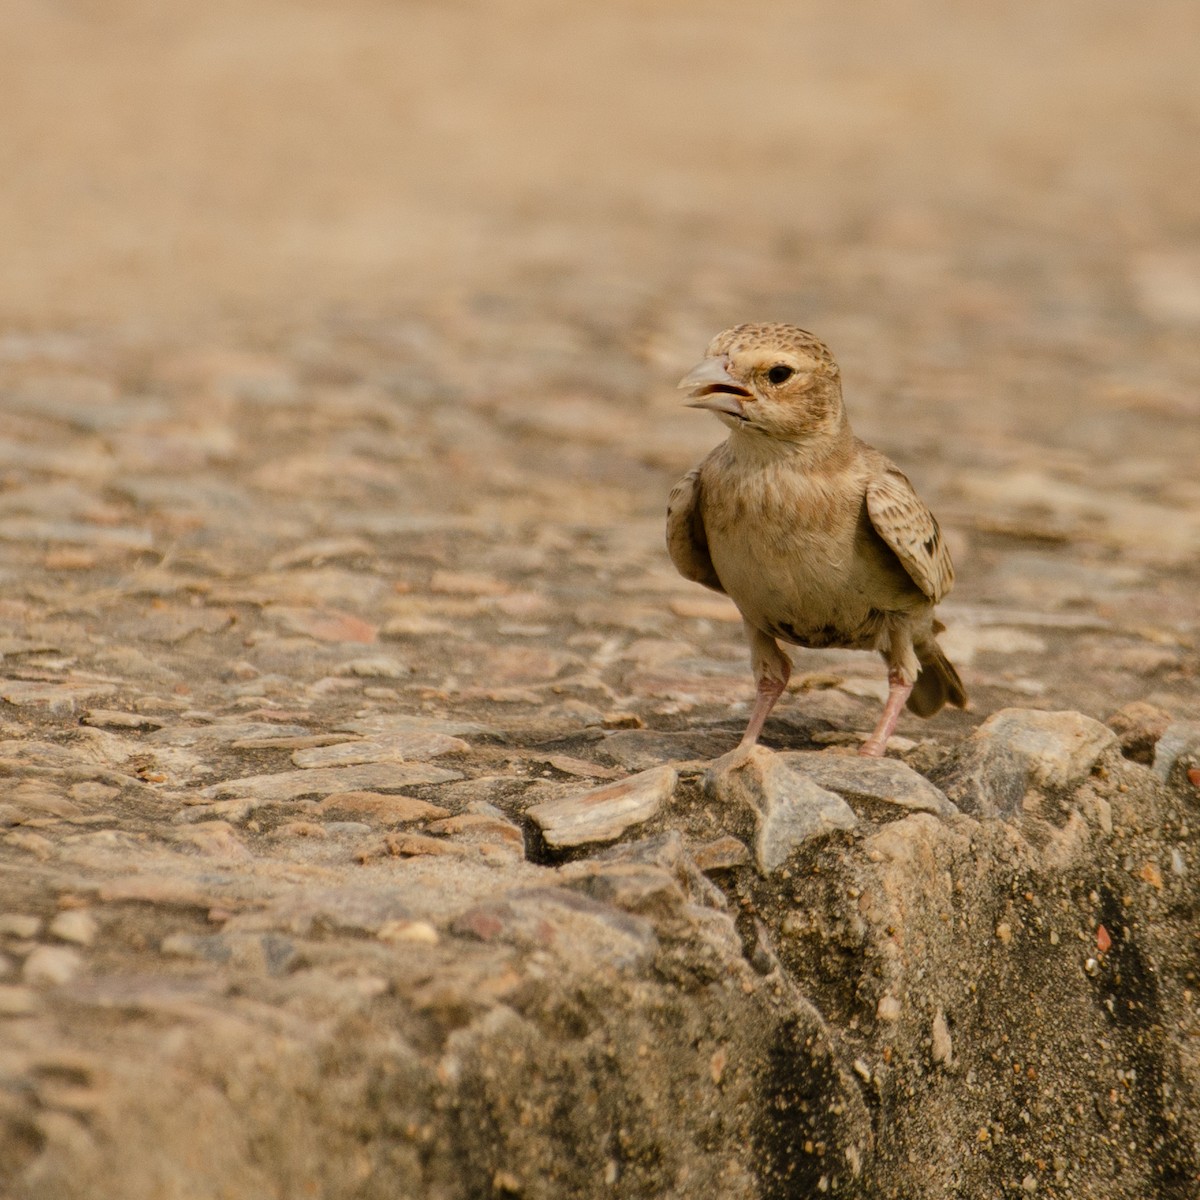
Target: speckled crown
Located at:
point(775, 336)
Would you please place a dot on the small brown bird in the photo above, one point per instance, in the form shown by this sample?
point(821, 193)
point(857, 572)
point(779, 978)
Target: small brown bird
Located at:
point(818, 539)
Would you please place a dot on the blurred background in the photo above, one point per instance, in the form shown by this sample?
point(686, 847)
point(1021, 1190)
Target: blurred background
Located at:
point(347, 248)
point(164, 159)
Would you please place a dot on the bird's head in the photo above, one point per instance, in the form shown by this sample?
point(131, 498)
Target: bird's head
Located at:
point(775, 380)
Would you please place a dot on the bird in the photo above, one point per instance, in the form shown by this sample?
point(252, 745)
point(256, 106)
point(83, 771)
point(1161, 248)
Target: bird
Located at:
point(818, 538)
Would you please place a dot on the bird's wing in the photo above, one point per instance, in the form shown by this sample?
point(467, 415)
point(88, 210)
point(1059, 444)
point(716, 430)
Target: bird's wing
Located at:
point(687, 542)
point(911, 530)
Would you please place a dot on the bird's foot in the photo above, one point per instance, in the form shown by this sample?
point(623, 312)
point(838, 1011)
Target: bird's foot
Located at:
point(735, 758)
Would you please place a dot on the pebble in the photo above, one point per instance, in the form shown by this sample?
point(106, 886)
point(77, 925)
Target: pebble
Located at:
point(723, 853)
point(604, 813)
point(420, 932)
point(940, 1036)
point(889, 1008)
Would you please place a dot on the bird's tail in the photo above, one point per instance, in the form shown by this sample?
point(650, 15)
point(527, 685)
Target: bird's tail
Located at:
point(938, 683)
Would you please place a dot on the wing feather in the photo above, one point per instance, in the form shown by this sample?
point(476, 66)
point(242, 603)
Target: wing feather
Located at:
point(687, 543)
point(911, 531)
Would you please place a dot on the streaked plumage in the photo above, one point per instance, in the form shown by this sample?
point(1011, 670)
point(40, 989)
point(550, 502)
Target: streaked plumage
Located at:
point(819, 539)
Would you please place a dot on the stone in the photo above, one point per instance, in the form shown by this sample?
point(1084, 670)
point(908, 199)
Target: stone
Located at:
point(664, 851)
point(400, 931)
point(35, 798)
point(75, 925)
point(942, 1048)
point(383, 725)
point(478, 827)
point(635, 887)
point(1177, 752)
point(466, 583)
point(604, 813)
point(382, 806)
point(214, 839)
point(417, 845)
point(37, 844)
point(51, 966)
point(107, 718)
point(879, 781)
point(57, 697)
point(91, 791)
point(291, 785)
point(1017, 751)
point(721, 854)
point(579, 767)
point(301, 742)
point(889, 1008)
point(1139, 726)
point(403, 747)
point(19, 925)
point(377, 666)
point(788, 809)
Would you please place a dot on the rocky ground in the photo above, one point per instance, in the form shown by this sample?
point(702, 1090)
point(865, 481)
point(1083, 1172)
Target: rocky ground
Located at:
point(363, 830)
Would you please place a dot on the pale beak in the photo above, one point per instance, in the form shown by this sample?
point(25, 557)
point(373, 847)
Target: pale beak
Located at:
point(714, 389)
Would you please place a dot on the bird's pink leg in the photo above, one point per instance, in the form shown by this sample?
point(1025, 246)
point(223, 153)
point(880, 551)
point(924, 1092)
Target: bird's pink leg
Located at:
point(772, 670)
point(899, 690)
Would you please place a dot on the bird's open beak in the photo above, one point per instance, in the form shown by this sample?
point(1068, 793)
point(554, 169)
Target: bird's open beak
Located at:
point(714, 389)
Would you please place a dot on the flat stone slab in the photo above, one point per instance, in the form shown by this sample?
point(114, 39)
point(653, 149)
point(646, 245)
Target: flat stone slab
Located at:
point(788, 808)
point(324, 781)
point(406, 747)
point(1019, 750)
point(881, 780)
point(604, 813)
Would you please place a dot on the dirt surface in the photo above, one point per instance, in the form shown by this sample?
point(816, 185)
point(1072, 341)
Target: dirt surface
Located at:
point(337, 353)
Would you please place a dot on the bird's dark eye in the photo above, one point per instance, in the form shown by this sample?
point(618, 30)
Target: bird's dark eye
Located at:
point(780, 373)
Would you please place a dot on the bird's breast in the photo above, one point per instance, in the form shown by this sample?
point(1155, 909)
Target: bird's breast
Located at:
point(790, 551)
